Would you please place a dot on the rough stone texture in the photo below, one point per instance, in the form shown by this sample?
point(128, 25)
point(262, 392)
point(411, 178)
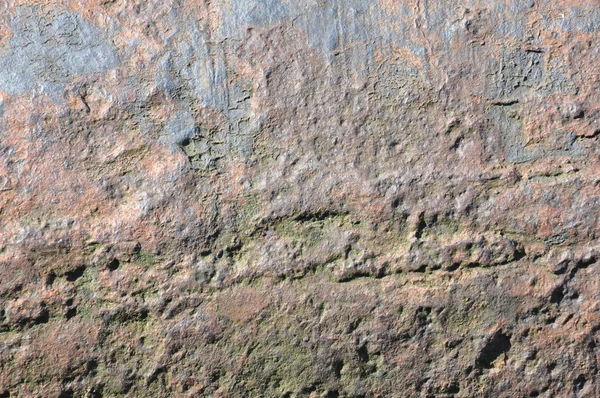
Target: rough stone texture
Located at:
point(286, 198)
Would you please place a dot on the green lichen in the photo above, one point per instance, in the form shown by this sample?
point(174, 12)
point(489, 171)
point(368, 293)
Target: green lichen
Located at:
point(145, 259)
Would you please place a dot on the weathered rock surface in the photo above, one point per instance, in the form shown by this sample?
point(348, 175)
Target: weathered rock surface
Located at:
point(279, 198)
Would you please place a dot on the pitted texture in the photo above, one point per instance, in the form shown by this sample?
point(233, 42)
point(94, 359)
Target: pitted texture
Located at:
point(286, 198)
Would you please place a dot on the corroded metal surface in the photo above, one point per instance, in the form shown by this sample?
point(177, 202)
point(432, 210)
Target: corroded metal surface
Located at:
point(299, 198)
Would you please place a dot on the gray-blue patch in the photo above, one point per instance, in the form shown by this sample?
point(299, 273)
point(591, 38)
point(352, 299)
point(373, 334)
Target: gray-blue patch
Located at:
point(48, 50)
point(181, 128)
point(358, 27)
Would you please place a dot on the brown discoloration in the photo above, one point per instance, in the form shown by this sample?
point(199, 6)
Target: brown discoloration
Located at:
point(412, 193)
point(240, 305)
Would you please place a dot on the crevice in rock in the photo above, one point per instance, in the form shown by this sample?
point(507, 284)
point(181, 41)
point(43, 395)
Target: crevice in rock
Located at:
point(75, 274)
point(499, 344)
